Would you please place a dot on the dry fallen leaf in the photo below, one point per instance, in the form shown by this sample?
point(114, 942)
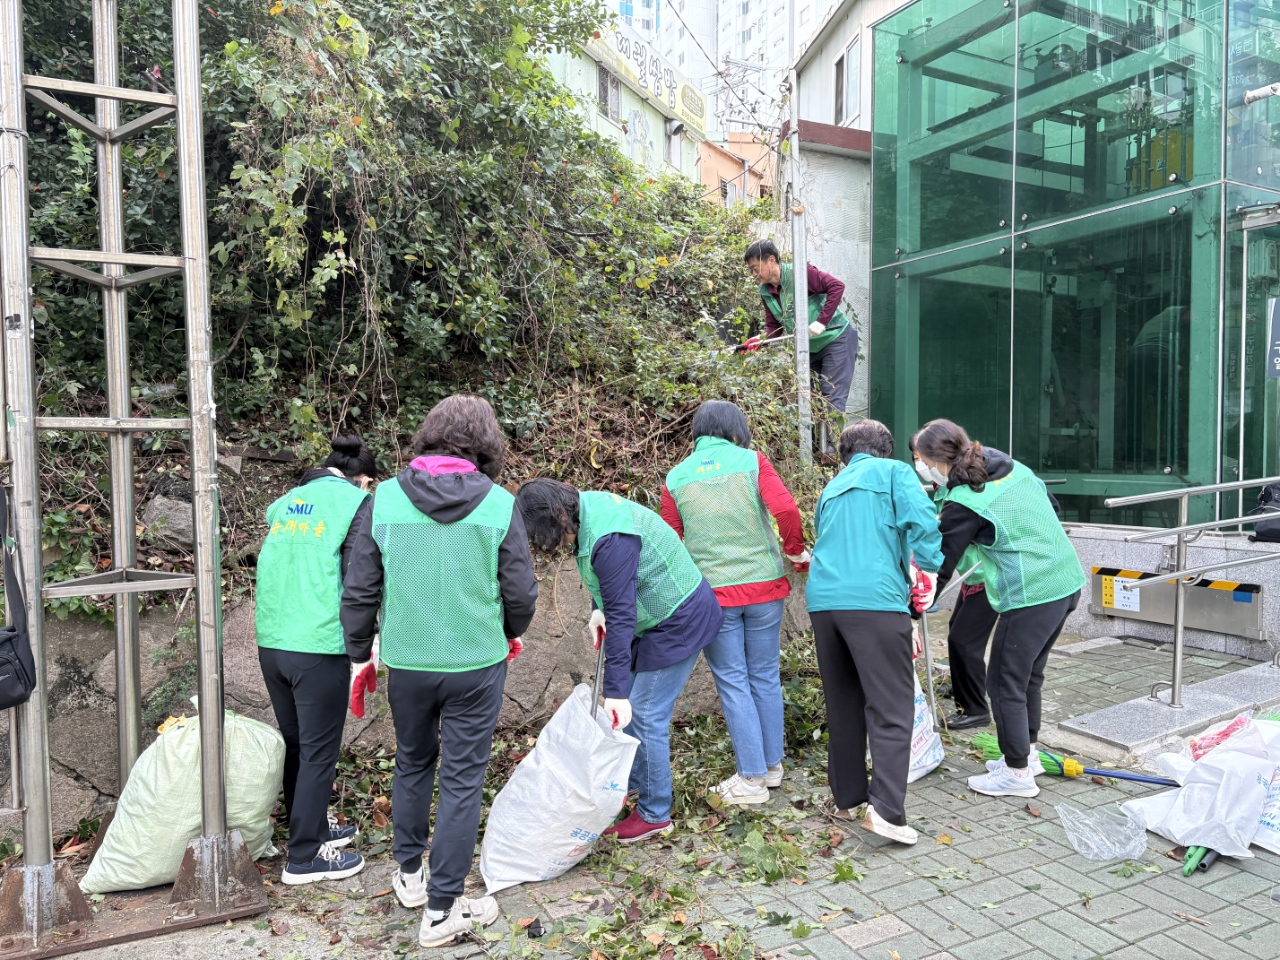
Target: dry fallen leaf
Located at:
point(828, 917)
point(1034, 811)
point(799, 881)
point(1100, 781)
point(893, 955)
point(679, 917)
point(525, 921)
point(334, 938)
point(380, 819)
point(654, 938)
point(634, 912)
point(702, 863)
point(943, 841)
point(835, 838)
point(279, 928)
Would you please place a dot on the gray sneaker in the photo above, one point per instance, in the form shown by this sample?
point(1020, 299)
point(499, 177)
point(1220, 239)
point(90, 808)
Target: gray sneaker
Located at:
point(410, 888)
point(459, 921)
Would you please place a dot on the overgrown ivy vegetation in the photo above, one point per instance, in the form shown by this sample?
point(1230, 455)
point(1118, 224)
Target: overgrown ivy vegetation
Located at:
point(403, 204)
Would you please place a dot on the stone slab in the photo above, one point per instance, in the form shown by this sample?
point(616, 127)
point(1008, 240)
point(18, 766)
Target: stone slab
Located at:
point(1140, 721)
point(1253, 685)
point(859, 935)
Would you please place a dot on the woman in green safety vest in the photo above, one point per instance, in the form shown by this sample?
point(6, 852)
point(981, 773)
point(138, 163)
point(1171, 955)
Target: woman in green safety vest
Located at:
point(300, 648)
point(654, 612)
point(719, 499)
point(444, 563)
point(1032, 578)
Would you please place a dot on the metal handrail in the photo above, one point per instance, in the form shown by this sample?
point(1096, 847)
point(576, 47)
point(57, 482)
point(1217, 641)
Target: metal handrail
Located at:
point(1181, 572)
point(1114, 502)
point(1199, 527)
point(1192, 575)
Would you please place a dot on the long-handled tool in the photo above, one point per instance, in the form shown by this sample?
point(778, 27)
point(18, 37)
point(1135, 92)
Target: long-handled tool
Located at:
point(595, 688)
point(738, 347)
point(1059, 766)
point(924, 638)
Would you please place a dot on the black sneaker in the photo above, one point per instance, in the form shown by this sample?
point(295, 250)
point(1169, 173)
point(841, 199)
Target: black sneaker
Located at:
point(962, 721)
point(341, 835)
point(330, 864)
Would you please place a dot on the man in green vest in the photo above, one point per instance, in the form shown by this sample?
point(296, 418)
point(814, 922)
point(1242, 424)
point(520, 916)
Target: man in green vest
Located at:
point(300, 648)
point(833, 340)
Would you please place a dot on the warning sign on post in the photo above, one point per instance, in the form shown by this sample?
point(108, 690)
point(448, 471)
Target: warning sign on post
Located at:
point(1117, 595)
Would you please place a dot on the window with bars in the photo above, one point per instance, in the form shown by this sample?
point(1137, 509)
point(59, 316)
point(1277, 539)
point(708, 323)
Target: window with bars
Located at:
point(608, 93)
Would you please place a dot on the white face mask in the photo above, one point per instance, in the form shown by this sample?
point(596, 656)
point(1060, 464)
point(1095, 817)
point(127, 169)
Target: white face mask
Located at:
point(923, 471)
point(937, 477)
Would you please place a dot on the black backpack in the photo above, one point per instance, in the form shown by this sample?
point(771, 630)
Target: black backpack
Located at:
point(1268, 531)
point(17, 666)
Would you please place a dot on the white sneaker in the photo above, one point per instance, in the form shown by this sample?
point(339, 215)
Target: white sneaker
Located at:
point(774, 777)
point(410, 888)
point(1003, 782)
point(460, 919)
point(1034, 764)
point(742, 790)
point(883, 828)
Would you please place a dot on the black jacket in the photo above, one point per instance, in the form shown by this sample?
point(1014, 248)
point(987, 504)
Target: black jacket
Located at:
point(446, 498)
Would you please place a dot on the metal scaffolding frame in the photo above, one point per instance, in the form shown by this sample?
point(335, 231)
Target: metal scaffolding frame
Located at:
point(218, 880)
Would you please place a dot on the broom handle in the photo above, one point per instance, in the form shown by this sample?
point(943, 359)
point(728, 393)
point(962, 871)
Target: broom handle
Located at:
point(595, 689)
point(924, 637)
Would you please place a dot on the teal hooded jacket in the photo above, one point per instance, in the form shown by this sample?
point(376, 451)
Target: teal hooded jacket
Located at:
point(871, 520)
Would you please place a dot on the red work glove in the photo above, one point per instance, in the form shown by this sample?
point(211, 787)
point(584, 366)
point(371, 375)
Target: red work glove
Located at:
point(750, 346)
point(364, 678)
point(515, 647)
point(921, 592)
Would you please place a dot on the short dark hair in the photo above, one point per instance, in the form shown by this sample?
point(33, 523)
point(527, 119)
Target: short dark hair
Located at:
point(353, 457)
point(761, 250)
point(550, 511)
point(866, 436)
point(465, 426)
point(723, 419)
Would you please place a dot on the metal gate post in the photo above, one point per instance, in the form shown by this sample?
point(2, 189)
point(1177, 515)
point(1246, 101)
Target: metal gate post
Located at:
point(800, 279)
point(115, 317)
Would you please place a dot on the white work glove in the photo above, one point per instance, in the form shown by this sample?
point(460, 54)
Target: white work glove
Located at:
point(595, 628)
point(619, 711)
point(816, 329)
point(917, 644)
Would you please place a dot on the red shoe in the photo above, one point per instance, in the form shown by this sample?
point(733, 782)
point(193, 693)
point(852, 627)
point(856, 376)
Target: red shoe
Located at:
point(635, 828)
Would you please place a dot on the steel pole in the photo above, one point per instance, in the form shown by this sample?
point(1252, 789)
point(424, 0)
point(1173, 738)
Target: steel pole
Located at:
point(115, 319)
point(800, 276)
point(20, 382)
point(1179, 605)
point(204, 463)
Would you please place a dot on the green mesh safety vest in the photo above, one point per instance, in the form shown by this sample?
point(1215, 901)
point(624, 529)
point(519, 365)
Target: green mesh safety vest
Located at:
point(727, 529)
point(667, 574)
point(781, 305)
point(299, 590)
point(970, 556)
point(441, 604)
point(1032, 560)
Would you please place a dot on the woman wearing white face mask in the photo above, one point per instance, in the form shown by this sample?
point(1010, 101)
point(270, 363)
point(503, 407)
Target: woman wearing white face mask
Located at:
point(969, 628)
point(1032, 577)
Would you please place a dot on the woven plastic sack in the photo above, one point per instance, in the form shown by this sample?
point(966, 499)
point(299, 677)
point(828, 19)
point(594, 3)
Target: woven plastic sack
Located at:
point(159, 810)
point(568, 789)
point(1102, 834)
point(926, 745)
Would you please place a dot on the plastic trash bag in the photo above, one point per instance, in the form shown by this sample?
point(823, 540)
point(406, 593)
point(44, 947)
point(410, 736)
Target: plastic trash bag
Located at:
point(926, 745)
point(1219, 805)
point(159, 809)
point(1104, 834)
point(1268, 835)
point(568, 789)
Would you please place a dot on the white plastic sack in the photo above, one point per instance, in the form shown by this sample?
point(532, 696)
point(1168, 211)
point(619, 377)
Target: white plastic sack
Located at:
point(1103, 835)
point(568, 789)
point(159, 810)
point(926, 745)
point(1219, 805)
point(1268, 835)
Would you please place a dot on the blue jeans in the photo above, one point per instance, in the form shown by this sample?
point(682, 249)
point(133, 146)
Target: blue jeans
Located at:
point(653, 702)
point(744, 660)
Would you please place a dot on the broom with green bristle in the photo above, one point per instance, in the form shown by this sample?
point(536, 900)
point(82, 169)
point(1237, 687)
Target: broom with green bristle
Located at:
point(1054, 765)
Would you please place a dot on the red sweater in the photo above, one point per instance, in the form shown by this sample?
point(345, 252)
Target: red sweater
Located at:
point(779, 502)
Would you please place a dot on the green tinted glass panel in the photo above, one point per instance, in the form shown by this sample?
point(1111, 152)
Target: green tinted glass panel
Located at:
point(943, 164)
point(1115, 356)
point(941, 343)
point(1253, 57)
point(1117, 99)
point(1250, 376)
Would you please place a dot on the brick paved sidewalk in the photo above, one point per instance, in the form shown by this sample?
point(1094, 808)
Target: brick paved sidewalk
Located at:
point(987, 881)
